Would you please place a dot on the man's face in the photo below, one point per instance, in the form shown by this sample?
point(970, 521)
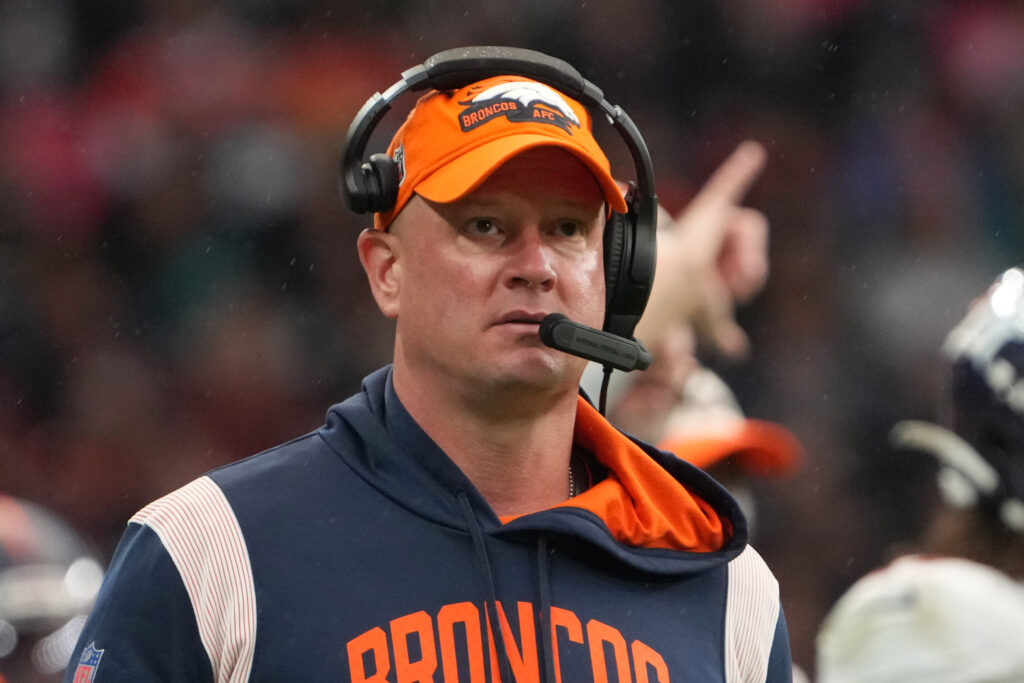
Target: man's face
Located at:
point(476, 276)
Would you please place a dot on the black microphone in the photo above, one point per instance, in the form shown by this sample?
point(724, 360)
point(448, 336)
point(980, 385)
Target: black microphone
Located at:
point(558, 332)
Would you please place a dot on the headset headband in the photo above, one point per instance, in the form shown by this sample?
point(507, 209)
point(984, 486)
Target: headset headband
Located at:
point(453, 69)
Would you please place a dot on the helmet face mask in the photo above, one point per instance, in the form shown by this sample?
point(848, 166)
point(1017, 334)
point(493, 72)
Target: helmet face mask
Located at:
point(987, 354)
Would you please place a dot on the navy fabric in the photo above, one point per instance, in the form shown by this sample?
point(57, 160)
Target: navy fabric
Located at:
point(365, 568)
point(781, 664)
point(143, 621)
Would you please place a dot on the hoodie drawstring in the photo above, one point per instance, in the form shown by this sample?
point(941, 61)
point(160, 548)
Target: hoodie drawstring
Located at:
point(483, 563)
point(544, 589)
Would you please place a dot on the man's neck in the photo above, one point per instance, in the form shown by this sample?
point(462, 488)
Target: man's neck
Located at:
point(517, 457)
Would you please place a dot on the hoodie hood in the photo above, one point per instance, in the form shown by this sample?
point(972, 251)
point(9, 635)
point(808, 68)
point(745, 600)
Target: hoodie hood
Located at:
point(641, 502)
point(652, 512)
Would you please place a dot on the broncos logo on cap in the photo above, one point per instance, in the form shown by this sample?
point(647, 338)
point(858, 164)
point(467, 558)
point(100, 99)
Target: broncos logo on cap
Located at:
point(519, 102)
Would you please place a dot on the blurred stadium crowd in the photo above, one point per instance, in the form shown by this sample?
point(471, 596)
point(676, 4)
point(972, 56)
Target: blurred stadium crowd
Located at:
point(179, 288)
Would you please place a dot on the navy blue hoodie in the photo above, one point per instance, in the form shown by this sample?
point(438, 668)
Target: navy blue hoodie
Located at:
point(361, 552)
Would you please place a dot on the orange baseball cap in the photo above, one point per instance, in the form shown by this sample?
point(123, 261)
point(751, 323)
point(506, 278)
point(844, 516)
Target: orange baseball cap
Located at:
point(452, 141)
point(760, 447)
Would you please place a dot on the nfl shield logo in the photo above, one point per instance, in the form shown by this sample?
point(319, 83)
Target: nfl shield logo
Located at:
point(87, 664)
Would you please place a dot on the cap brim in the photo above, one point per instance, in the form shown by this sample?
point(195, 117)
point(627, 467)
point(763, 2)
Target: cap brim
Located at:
point(462, 175)
point(761, 448)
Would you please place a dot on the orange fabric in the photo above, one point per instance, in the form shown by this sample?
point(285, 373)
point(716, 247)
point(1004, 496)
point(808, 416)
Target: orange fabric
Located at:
point(762, 448)
point(452, 141)
point(641, 503)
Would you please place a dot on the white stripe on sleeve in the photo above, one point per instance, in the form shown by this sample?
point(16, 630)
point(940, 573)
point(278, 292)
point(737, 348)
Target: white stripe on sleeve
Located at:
point(201, 534)
point(751, 613)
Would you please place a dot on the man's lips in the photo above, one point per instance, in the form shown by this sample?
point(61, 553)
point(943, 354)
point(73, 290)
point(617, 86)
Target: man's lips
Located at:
point(521, 318)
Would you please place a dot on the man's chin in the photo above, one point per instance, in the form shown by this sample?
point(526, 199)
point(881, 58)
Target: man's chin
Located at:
point(540, 369)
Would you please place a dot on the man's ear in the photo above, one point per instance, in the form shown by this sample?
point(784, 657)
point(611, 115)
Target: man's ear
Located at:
point(379, 252)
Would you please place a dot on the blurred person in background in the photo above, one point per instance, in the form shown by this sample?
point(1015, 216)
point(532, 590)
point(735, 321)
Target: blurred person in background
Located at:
point(951, 608)
point(713, 258)
point(49, 577)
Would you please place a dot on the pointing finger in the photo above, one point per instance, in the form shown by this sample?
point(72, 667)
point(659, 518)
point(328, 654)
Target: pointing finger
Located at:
point(735, 175)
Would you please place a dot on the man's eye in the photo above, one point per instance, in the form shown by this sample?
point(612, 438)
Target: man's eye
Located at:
point(482, 226)
point(569, 228)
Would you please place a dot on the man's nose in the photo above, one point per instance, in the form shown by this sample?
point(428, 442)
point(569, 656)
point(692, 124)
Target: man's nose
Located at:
point(531, 261)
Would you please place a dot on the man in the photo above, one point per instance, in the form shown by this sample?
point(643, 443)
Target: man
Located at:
point(469, 515)
point(954, 609)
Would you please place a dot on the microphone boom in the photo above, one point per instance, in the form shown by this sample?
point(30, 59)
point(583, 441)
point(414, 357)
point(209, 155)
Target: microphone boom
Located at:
point(559, 332)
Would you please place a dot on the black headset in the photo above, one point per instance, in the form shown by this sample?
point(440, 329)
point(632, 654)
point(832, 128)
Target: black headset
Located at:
point(629, 238)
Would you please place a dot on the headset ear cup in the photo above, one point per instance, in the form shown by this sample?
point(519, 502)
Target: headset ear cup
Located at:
point(614, 252)
point(380, 176)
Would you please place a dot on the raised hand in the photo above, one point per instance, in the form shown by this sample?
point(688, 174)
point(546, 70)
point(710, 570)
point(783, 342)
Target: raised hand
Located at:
point(711, 257)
